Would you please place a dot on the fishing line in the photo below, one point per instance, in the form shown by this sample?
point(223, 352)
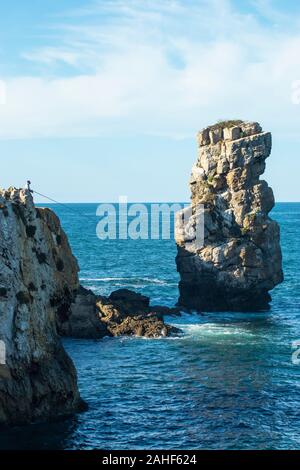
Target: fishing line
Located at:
point(61, 204)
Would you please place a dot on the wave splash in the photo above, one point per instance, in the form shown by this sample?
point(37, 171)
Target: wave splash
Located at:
point(130, 280)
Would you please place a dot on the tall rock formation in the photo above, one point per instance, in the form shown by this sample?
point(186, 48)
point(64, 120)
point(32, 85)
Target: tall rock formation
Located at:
point(38, 279)
point(240, 260)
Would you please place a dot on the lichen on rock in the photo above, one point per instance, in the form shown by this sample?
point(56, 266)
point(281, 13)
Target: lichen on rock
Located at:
point(240, 261)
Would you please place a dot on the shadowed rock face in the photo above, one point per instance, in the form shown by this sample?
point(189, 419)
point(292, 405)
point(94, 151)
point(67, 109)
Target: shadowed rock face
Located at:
point(124, 312)
point(127, 313)
point(240, 261)
point(82, 320)
point(38, 279)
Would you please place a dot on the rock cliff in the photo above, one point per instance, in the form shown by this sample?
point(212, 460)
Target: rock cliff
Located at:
point(240, 260)
point(38, 279)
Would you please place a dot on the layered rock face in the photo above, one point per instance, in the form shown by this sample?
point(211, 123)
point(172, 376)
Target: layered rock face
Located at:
point(38, 281)
point(240, 261)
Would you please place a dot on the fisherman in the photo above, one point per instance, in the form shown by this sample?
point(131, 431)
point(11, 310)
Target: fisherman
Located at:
point(28, 183)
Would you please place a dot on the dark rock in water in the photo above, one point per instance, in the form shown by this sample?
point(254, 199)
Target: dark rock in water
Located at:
point(38, 380)
point(161, 311)
point(127, 313)
point(130, 301)
point(124, 312)
point(240, 261)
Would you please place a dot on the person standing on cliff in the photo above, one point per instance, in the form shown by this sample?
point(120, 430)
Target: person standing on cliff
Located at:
point(28, 183)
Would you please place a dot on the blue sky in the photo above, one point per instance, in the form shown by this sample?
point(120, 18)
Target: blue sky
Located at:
point(104, 98)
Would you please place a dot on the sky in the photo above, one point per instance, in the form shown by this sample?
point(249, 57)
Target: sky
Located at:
point(104, 98)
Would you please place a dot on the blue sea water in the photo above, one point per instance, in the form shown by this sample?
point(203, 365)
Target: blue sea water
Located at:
point(227, 383)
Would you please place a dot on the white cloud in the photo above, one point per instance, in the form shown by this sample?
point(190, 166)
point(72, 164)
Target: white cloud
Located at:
point(49, 55)
point(157, 67)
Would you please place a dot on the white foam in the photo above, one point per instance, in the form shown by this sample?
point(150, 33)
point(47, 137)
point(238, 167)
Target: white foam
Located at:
point(125, 280)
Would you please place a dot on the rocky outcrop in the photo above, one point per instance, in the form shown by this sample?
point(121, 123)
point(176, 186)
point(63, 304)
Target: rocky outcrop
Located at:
point(127, 313)
point(124, 312)
point(240, 260)
point(38, 281)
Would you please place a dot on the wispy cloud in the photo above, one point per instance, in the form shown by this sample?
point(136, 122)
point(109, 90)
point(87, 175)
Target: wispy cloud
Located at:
point(157, 67)
point(49, 55)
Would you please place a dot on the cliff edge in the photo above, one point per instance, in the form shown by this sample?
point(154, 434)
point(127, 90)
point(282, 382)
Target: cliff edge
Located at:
point(240, 260)
point(38, 278)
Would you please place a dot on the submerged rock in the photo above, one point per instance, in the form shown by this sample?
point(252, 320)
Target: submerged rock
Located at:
point(38, 281)
point(240, 261)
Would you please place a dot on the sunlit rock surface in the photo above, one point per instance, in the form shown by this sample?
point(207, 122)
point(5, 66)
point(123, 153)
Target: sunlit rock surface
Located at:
point(38, 279)
point(240, 261)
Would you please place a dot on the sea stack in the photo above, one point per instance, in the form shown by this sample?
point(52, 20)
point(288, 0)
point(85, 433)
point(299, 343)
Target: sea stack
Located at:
point(240, 260)
point(38, 280)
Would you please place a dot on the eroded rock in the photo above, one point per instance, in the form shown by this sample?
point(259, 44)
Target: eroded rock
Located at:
point(240, 261)
point(38, 280)
point(124, 312)
point(127, 313)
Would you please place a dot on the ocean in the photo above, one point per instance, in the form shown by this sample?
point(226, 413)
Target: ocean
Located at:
point(228, 382)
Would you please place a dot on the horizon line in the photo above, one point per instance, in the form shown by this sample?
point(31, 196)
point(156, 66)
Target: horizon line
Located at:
point(142, 202)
